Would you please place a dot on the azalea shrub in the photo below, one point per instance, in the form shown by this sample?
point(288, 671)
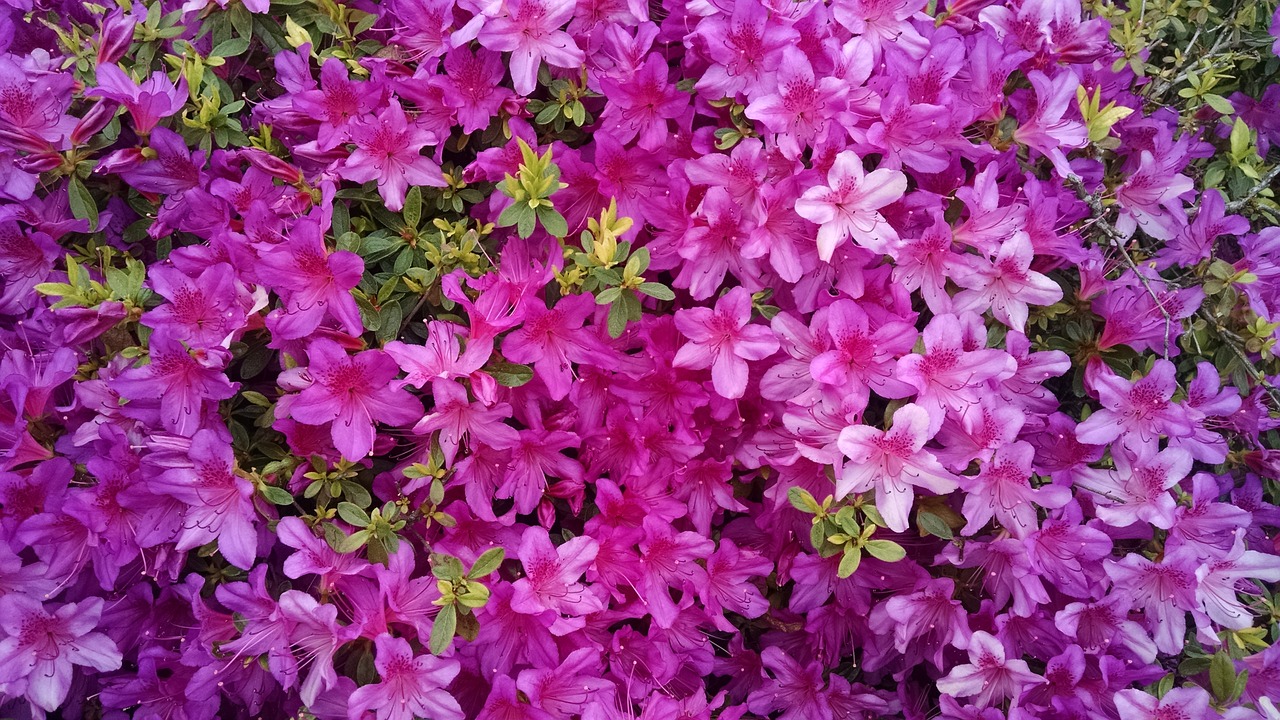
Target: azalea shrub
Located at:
point(590, 359)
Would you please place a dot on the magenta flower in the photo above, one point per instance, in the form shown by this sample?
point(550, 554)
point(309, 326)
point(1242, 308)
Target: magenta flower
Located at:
point(316, 635)
point(203, 311)
point(388, 150)
point(1048, 130)
point(800, 106)
point(157, 98)
point(668, 560)
point(456, 418)
point(1138, 489)
point(471, 86)
point(1179, 702)
point(892, 462)
point(797, 690)
point(353, 392)
point(42, 646)
point(336, 103)
point(315, 282)
point(1151, 198)
point(409, 686)
point(1165, 591)
point(950, 376)
point(724, 340)
point(1008, 285)
point(552, 338)
point(552, 575)
point(219, 501)
point(534, 458)
point(185, 382)
point(173, 170)
point(1138, 412)
point(990, 676)
point(640, 105)
point(530, 31)
point(1003, 490)
point(1220, 581)
point(848, 206)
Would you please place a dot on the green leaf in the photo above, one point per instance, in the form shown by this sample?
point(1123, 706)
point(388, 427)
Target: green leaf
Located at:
point(443, 629)
point(446, 567)
point(514, 214)
point(412, 211)
point(1219, 103)
point(637, 264)
point(818, 535)
point(275, 495)
point(617, 319)
point(83, 206)
point(1222, 676)
point(488, 562)
point(849, 562)
point(230, 48)
point(353, 514)
point(510, 374)
point(553, 222)
point(803, 501)
point(356, 494)
point(874, 516)
point(351, 543)
point(657, 291)
point(1241, 137)
point(934, 525)
point(886, 550)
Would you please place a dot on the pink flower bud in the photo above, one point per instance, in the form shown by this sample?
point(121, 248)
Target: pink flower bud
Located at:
point(272, 165)
point(93, 122)
point(117, 33)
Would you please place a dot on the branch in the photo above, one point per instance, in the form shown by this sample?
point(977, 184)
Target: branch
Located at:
point(1263, 184)
point(1118, 241)
point(1229, 339)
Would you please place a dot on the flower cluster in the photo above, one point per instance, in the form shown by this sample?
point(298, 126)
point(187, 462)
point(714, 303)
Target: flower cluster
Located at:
point(591, 360)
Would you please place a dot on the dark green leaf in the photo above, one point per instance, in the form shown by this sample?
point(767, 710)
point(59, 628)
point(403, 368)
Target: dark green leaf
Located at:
point(1222, 676)
point(276, 496)
point(488, 562)
point(353, 514)
point(230, 48)
point(657, 291)
point(510, 374)
point(83, 205)
point(934, 525)
point(886, 550)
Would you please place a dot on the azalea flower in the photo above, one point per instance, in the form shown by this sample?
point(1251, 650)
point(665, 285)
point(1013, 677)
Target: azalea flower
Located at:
point(724, 340)
point(352, 392)
point(847, 207)
point(530, 31)
point(388, 150)
point(990, 676)
point(42, 646)
point(409, 686)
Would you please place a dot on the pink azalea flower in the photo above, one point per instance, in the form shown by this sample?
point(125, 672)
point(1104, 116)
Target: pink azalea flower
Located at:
point(185, 382)
point(1008, 285)
point(336, 103)
point(1138, 489)
point(1140, 412)
point(388, 150)
point(949, 376)
point(553, 338)
point(155, 100)
point(848, 206)
point(640, 105)
point(892, 462)
point(1003, 490)
point(1151, 199)
point(1164, 590)
point(1185, 702)
point(552, 575)
point(42, 646)
point(203, 311)
point(724, 340)
point(534, 458)
point(409, 686)
point(1220, 581)
point(456, 418)
point(351, 392)
point(990, 676)
point(470, 84)
point(800, 107)
point(530, 31)
point(219, 503)
point(797, 690)
point(315, 282)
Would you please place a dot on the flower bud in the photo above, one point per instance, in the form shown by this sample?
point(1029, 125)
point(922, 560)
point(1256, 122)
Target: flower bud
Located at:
point(117, 33)
point(93, 122)
point(272, 165)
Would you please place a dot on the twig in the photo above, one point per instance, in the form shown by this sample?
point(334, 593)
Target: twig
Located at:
point(1229, 339)
point(1263, 184)
point(1118, 241)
